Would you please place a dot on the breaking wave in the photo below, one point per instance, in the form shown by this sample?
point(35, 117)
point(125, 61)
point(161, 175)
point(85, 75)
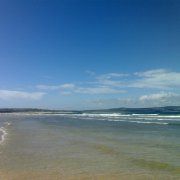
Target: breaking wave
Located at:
point(130, 118)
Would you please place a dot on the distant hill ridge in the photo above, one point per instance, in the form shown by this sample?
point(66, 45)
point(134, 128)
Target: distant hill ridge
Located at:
point(151, 110)
point(29, 110)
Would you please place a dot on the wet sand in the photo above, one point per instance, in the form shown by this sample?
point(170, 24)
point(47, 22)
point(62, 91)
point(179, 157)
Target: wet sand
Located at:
point(44, 175)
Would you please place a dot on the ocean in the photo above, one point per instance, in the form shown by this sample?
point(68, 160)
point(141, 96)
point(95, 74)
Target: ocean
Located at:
point(89, 146)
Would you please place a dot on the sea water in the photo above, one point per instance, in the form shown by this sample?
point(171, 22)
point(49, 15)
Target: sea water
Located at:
point(109, 145)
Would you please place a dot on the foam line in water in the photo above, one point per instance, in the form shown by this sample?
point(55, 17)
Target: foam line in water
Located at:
point(145, 114)
point(4, 133)
point(142, 122)
point(128, 121)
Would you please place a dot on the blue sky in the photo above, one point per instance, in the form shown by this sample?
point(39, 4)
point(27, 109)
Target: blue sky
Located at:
point(81, 54)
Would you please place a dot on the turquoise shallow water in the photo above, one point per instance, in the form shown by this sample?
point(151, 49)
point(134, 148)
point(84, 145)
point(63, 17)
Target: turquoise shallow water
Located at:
point(93, 144)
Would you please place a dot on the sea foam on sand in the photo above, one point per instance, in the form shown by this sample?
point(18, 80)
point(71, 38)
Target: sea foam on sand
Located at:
point(3, 132)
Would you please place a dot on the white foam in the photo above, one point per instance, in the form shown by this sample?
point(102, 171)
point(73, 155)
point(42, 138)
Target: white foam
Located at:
point(114, 115)
point(126, 120)
point(142, 122)
point(4, 133)
point(104, 115)
point(145, 114)
point(7, 123)
point(148, 122)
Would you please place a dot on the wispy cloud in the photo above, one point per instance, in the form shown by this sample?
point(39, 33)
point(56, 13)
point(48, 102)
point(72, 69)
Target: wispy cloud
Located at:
point(111, 79)
point(150, 100)
point(160, 99)
point(158, 96)
point(161, 82)
point(98, 90)
point(114, 83)
point(55, 87)
point(9, 95)
point(48, 87)
point(154, 79)
point(91, 73)
point(111, 75)
point(66, 89)
point(157, 79)
point(67, 86)
point(113, 103)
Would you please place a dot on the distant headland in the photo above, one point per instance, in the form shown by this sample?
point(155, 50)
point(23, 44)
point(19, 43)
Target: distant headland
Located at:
point(124, 110)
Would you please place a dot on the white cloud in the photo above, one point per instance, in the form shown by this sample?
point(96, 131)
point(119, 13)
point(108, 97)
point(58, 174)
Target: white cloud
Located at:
point(9, 95)
point(48, 87)
point(67, 86)
point(66, 93)
point(114, 83)
point(113, 103)
point(150, 100)
point(91, 73)
point(111, 79)
point(98, 90)
point(55, 87)
point(160, 99)
point(157, 79)
point(157, 96)
point(111, 75)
